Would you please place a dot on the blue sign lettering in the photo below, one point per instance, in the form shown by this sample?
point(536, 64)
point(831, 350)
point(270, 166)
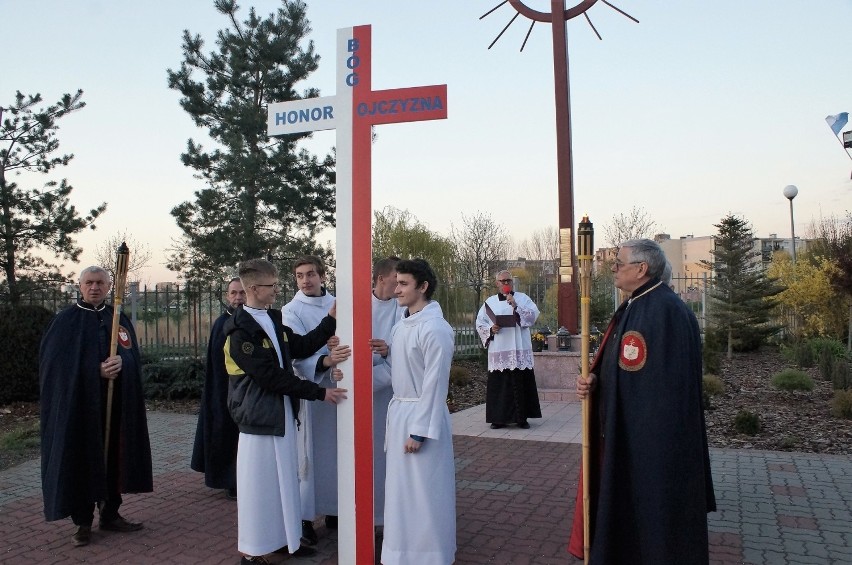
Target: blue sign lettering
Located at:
point(400, 106)
point(315, 114)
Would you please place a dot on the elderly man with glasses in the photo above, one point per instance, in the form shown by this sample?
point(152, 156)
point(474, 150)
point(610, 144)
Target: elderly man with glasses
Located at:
point(503, 324)
point(650, 483)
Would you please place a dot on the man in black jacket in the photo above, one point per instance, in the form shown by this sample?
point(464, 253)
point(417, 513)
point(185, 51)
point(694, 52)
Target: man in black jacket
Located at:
point(263, 399)
point(215, 450)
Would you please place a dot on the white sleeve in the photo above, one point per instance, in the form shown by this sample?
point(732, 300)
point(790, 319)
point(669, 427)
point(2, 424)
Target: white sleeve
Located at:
point(436, 342)
point(305, 368)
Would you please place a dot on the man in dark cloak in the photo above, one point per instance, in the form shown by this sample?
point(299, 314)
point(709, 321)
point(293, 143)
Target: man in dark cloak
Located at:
point(651, 487)
point(74, 371)
point(216, 435)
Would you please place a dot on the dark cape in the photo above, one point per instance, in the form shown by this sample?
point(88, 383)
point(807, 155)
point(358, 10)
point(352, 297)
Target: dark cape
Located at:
point(216, 436)
point(73, 408)
point(651, 487)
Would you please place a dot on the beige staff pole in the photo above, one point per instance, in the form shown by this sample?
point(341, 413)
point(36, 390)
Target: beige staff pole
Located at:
point(122, 256)
point(585, 253)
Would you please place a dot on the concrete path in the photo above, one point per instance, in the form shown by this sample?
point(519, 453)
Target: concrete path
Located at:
point(515, 499)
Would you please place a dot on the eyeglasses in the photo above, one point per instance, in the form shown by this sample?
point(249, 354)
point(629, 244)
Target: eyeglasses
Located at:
point(619, 264)
point(504, 281)
point(273, 285)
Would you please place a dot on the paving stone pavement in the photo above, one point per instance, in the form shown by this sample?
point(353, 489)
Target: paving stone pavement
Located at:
point(515, 499)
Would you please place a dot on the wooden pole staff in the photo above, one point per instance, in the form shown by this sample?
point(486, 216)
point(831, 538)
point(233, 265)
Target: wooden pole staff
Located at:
point(122, 256)
point(585, 255)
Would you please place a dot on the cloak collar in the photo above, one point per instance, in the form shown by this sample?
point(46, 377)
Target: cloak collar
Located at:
point(643, 290)
point(86, 306)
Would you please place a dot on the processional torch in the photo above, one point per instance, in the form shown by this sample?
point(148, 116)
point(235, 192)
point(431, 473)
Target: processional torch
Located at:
point(585, 253)
point(122, 257)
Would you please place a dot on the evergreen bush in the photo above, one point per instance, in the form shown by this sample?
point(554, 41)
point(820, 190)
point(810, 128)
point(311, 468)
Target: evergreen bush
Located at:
point(713, 385)
point(825, 363)
point(21, 329)
point(747, 423)
point(183, 378)
point(800, 353)
point(711, 354)
point(792, 379)
point(841, 404)
point(459, 376)
point(840, 378)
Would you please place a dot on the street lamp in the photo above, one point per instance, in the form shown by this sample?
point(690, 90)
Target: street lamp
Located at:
point(790, 192)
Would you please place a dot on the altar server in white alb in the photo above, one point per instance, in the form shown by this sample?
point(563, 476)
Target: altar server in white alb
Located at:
point(503, 324)
point(420, 490)
point(263, 399)
point(386, 312)
point(318, 433)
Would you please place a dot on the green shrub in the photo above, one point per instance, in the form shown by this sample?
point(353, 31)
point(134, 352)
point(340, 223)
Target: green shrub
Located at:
point(800, 353)
point(183, 378)
point(792, 379)
point(21, 329)
point(711, 355)
point(841, 404)
point(788, 442)
point(712, 361)
point(825, 363)
point(713, 385)
point(835, 346)
point(840, 378)
point(459, 376)
point(747, 423)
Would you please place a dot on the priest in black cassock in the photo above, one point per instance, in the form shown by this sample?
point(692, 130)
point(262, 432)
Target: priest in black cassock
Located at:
point(216, 435)
point(74, 371)
point(503, 324)
point(650, 482)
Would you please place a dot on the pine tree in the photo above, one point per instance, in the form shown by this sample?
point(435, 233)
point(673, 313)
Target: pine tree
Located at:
point(263, 196)
point(742, 295)
point(34, 221)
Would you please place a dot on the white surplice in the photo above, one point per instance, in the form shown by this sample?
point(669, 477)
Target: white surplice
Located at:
point(317, 436)
point(420, 490)
point(511, 348)
point(385, 314)
point(268, 512)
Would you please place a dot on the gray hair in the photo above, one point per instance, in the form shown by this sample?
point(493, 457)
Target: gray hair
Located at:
point(666, 277)
point(648, 251)
point(94, 269)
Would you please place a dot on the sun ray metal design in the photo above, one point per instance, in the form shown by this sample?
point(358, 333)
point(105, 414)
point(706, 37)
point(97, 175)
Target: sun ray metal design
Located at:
point(558, 17)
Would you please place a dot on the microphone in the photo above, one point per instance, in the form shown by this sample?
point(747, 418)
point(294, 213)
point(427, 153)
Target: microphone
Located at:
point(507, 289)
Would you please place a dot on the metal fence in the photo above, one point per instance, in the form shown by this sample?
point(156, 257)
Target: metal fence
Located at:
point(173, 320)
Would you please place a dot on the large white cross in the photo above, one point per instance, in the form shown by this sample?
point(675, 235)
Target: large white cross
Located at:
point(352, 112)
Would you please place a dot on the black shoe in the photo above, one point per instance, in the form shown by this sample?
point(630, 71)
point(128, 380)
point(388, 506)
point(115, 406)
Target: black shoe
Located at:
point(304, 551)
point(119, 524)
point(82, 536)
point(309, 535)
point(231, 493)
point(257, 560)
point(331, 522)
point(524, 425)
point(497, 426)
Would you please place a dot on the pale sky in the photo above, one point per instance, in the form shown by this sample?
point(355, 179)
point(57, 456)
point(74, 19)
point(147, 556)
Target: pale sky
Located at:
point(701, 109)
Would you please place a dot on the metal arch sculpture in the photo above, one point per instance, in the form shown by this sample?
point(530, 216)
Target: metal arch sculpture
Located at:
point(558, 17)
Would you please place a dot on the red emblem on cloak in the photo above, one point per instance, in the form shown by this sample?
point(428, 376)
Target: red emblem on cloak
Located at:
point(633, 352)
point(124, 338)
